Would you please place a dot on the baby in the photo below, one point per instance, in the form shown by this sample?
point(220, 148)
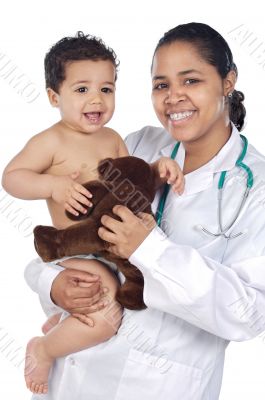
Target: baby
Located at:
point(80, 77)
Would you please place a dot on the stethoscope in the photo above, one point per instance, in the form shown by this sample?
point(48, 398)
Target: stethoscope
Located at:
point(222, 231)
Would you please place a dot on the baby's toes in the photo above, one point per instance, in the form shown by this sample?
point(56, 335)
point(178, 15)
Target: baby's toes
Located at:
point(33, 387)
point(45, 388)
point(40, 390)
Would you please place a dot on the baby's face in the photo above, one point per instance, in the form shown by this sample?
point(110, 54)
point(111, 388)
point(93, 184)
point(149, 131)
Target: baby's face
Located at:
point(86, 97)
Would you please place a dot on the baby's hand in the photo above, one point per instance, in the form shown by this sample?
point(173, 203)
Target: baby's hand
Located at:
point(170, 170)
point(68, 192)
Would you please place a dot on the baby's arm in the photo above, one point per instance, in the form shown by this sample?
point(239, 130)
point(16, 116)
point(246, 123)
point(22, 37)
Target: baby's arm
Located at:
point(165, 169)
point(122, 148)
point(24, 177)
point(168, 171)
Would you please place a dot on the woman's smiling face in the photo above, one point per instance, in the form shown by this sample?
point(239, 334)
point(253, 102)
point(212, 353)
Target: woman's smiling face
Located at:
point(188, 93)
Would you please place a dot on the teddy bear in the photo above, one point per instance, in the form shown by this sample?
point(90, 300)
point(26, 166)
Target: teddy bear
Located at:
point(128, 181)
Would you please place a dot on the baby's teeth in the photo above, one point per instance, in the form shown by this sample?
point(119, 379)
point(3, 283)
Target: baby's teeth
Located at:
point(177, 116)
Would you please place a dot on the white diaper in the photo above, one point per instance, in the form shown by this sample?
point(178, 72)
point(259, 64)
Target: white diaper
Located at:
point(87, 257)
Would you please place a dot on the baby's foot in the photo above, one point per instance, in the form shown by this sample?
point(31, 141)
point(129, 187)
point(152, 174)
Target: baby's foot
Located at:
point(50, 323)
point(37, 366)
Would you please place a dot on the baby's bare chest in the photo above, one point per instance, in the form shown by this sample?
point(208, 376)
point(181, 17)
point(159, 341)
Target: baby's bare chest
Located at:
point(84, 159)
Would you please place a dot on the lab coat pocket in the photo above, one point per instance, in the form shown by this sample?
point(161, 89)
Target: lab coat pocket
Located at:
point(147, 377)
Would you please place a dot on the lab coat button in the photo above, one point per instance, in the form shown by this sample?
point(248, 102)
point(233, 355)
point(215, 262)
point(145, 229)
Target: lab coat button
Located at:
point(72, 361)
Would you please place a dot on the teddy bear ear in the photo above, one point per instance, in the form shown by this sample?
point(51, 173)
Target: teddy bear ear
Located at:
point(105, 166)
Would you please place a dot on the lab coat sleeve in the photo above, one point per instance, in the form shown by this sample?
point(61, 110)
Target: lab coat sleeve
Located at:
point(39, 276)
point(228, 301)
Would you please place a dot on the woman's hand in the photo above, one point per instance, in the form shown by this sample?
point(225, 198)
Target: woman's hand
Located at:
point(78, 292)
point(125, 235)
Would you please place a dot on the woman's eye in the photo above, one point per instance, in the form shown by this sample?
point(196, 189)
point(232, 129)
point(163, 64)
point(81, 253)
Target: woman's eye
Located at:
point(106, 90)
point(82, 90)
point(160, 86)
point(191, 81)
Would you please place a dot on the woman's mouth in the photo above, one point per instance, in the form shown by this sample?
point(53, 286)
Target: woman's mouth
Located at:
point(176, 118)
point(93, 117)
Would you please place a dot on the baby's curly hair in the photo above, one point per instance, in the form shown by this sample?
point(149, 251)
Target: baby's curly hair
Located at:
point(76, 48)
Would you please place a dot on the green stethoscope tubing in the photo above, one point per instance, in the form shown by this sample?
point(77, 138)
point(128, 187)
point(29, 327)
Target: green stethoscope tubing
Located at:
point(162, 202)
point(249, 184)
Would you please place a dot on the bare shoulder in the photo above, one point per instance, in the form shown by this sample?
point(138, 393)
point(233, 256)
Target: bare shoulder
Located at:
point(38, 153)
point(111, 133)
point(49, 138)
point(115, 137)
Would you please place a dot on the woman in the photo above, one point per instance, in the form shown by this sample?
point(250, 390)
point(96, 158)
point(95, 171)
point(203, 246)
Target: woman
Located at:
point(204, 279)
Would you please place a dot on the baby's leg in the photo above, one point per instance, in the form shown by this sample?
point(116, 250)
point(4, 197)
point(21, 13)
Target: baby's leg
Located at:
point(50, 323)
point(71, 335)
point(71, 263)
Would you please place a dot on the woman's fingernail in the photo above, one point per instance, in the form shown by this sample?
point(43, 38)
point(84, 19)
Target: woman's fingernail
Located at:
point(105, 290)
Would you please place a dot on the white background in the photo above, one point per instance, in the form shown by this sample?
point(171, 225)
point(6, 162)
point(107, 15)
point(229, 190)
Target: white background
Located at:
point(27, 31)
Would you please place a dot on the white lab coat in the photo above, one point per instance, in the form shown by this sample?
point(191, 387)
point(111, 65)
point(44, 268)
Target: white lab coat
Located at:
point(201, 291)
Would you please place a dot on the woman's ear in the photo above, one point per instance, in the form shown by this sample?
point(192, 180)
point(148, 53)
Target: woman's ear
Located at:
point(229, 83)
point(53, 97)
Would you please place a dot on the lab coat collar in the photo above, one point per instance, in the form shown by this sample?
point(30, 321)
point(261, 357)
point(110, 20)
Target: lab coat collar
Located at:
point(202, 178)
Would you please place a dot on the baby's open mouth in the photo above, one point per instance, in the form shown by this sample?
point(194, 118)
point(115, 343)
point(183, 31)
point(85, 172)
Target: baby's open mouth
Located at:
point(93, 117)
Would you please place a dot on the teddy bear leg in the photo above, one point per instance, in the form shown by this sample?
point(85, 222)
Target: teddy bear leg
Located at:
point(47, 242)
point(82, 238)
point(130, 295)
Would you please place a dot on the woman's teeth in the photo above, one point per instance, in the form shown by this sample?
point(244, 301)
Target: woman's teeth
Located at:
point(181, 115)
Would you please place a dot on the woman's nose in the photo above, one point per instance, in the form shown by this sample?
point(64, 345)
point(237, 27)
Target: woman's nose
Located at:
point(174, 96)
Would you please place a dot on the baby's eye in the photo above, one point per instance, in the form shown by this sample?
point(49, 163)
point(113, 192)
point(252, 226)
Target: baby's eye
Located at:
point(106, 90)
point(160, 86)
point(191, 81)
point(82, 89)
